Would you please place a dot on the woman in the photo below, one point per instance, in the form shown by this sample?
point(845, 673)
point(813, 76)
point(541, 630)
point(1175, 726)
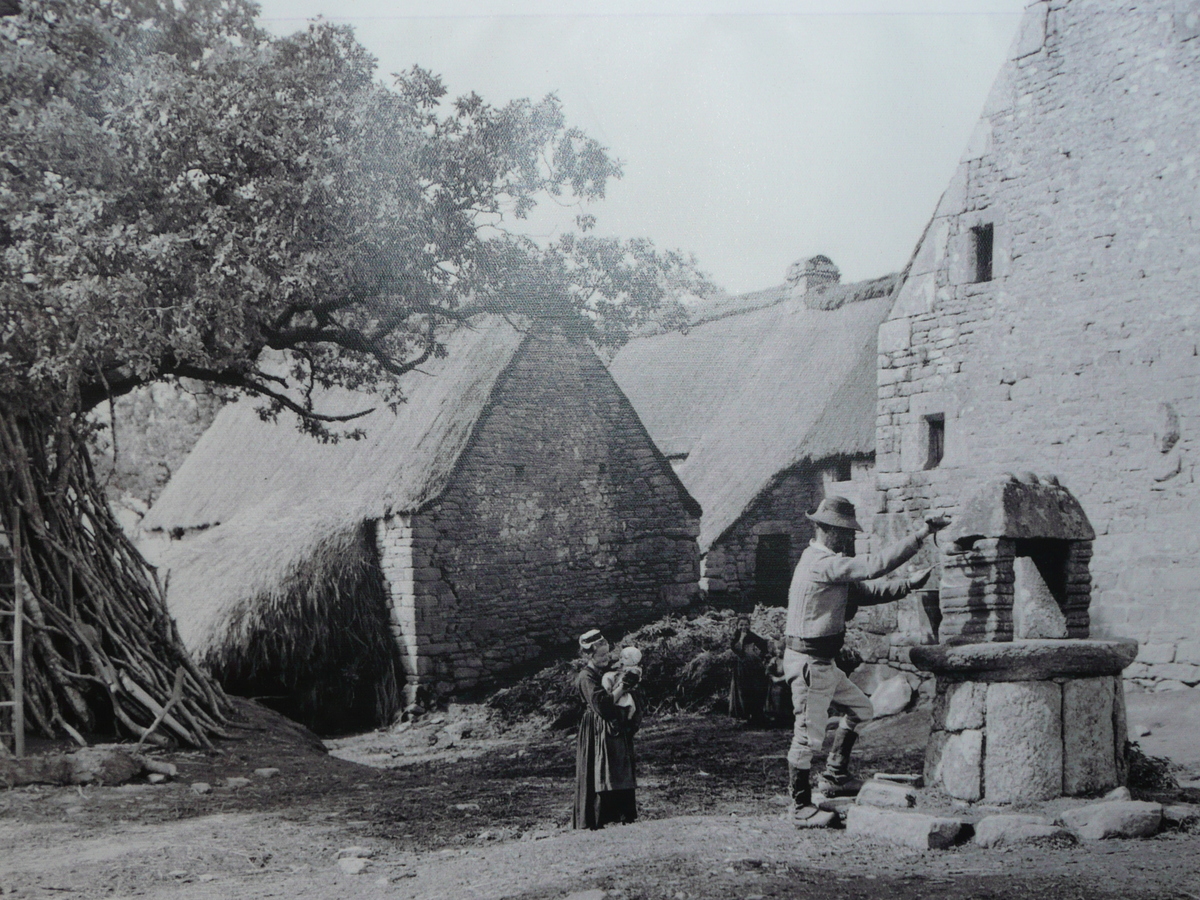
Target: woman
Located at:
point(748, 680)
point(604, 764)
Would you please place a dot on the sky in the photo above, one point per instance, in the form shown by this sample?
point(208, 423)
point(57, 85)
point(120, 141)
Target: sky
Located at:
point(751, 134)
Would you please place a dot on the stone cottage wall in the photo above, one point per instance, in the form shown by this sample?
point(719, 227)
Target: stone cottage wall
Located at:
point(729, 564)
point(1079, 356)
point(561, 516)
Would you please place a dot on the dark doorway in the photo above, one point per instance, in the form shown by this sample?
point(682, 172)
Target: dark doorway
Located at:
point(772, 569)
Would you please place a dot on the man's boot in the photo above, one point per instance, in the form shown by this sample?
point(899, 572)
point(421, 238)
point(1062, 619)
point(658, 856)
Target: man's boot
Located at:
point(804, 813)
point(835, 781)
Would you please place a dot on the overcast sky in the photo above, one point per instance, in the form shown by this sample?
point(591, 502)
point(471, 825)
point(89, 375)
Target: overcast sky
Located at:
point(752, 134)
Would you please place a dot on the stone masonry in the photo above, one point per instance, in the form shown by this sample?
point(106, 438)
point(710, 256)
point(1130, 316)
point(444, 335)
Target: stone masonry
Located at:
point(1049, 318)
point(730, 563)
point(561, 516)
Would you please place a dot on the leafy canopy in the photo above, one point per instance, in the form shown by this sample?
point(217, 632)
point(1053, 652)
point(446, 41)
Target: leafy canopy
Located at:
point(180, 192)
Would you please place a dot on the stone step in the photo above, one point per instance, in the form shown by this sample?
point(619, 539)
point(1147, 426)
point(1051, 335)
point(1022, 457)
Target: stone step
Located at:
point(908, 829)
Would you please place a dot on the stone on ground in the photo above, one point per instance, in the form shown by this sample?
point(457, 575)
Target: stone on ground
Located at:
point(266, 772)
point(1119, 793)
point(892, 697)
point(201, 787)
point(156, 778)
point(1114, 819)
point(352, 865)
point(1010, 830)
point(236, 782)
point(1181, 816)
point(355, 852)
point(907, 829)
point(885, 793)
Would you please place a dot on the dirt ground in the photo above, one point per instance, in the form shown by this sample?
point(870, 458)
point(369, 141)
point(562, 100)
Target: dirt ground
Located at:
point(451, 807)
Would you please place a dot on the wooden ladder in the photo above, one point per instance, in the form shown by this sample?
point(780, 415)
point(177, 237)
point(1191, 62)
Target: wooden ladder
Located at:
point(12, 655)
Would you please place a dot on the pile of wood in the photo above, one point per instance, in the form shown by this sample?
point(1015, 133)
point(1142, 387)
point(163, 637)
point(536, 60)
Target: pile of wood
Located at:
point(101, 652)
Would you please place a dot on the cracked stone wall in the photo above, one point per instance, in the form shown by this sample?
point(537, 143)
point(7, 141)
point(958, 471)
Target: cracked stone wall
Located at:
point(1071, 347)
point(561, 516)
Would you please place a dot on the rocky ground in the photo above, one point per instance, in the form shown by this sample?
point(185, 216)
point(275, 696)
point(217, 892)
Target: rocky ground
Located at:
point(453, 807)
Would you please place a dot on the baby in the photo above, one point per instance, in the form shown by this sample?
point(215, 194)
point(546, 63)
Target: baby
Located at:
point(628, 671)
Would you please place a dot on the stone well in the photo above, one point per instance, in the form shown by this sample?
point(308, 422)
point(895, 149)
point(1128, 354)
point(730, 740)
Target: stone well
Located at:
point(1027, 707)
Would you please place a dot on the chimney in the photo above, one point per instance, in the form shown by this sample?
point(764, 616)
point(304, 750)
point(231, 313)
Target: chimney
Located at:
point(808, 275)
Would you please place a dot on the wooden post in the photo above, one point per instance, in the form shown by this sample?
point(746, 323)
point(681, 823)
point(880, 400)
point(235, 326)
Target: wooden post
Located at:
point(18, 654)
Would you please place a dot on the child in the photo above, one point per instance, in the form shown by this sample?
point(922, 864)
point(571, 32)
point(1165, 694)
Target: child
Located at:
point(628, 670)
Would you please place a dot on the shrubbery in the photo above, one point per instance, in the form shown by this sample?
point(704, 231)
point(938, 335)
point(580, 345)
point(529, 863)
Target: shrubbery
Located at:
point(686, 665)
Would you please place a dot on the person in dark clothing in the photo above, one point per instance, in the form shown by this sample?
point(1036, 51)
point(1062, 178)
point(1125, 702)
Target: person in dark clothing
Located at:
point(605, 776)
point(748, 681)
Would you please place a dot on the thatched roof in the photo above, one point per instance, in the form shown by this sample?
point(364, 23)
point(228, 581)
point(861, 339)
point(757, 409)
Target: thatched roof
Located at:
point(750, 394)
point(273, 503)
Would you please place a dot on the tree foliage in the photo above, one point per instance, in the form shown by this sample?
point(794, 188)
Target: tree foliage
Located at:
point(180, 194)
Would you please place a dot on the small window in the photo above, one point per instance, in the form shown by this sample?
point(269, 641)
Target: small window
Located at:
point(603, 468)
point(935, 429)
point(518, 473)
point(981, 249)
point(841, 470)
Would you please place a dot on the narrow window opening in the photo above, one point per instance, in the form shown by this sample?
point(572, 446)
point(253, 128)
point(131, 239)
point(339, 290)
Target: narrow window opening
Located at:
point(936, 436)
point(518, 473)
point(603, 468)
point(981, 244)
point(841, 470)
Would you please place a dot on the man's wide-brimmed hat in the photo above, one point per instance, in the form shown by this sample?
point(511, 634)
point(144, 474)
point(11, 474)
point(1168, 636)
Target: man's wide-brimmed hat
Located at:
point(837, 512)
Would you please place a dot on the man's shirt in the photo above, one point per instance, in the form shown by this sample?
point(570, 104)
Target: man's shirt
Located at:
point(825, 583)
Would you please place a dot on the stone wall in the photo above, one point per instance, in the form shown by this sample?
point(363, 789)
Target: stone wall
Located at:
point(729, 565)
point(561, 516)
point(1070, 348)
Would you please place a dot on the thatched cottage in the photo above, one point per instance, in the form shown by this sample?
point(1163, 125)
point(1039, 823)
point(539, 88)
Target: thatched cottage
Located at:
point(764, 404)
point(1049, 321)
point(513, 501)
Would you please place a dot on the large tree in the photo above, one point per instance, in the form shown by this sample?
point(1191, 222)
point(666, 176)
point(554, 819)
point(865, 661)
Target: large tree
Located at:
point(182, 196)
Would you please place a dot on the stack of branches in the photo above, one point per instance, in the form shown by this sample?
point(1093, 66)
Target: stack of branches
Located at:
point(101, 651)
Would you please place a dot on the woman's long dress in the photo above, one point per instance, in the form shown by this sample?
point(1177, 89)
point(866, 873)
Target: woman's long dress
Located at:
point(605, 779)
point(748, 680)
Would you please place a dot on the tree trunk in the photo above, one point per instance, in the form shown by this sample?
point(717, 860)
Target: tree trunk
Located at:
point(102, 653)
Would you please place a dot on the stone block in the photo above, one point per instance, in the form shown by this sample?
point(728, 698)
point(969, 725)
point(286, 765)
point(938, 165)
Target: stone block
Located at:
point(962, 765)
point(908, 829)
point(959, 705)
point(1029, 660)
point(1116, 819)
point(1186, 672)
point(886, 793)
point(892, 697)
point(1012, 830)
point(1025, 752)
point(1156, 654)
point(1089, 763)
point(1036, 613)
point(933, 757)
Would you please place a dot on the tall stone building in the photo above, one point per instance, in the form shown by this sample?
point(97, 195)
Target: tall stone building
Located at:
point(1049, 319)
point(511, 502)
point(765, 404)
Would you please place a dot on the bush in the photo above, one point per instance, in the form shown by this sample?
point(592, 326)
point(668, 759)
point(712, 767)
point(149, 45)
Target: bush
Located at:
point(686, 665)
point(1148, 774)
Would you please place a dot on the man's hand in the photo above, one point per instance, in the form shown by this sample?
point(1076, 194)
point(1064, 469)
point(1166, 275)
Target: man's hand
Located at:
point(918, 578)
point(937, 523)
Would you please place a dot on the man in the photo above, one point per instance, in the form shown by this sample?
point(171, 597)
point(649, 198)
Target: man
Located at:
point(828, 582)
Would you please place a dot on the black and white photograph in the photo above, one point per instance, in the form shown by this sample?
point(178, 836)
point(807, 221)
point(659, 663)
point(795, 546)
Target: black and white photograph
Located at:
point(600, 450)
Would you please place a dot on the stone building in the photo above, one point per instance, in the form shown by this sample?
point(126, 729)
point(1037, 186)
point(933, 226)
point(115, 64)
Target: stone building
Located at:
point(764, 404)
point(511, 502)
point(1048, 321)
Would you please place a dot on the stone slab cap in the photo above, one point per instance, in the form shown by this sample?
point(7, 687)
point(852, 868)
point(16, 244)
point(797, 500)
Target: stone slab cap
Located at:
point(1023, 506)
point(1032, 660)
